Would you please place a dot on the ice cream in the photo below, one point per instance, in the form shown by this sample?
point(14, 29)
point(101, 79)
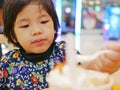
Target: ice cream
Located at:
point(83, 80)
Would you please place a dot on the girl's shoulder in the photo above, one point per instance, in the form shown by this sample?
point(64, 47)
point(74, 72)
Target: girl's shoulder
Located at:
point(60, 44)
point(10, 55)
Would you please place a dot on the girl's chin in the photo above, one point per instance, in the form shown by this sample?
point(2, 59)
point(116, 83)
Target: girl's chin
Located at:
point(39, 51)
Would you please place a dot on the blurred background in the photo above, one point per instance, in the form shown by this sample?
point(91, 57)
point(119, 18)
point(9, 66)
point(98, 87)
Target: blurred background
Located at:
point(93, 23)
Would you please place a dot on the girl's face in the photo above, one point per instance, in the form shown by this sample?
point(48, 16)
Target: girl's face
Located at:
point(34, 29)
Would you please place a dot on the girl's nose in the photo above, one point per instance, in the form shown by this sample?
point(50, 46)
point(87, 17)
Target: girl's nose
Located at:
point(36, 30)
point(35, 33)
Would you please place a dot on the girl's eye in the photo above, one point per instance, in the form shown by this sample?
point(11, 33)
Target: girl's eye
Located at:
point(44, 22)
point(24, 26)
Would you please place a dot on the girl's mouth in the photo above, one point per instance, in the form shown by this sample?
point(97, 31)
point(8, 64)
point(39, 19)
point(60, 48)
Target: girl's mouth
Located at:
point(39, 41)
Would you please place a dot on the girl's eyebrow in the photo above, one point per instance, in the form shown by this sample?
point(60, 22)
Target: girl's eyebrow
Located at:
point(21, 20)
point(43, 13)
point(24, 19)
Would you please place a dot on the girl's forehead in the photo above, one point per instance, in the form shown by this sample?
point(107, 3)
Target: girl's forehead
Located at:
point(39, 8)
point(30, 10)
point(35, 4)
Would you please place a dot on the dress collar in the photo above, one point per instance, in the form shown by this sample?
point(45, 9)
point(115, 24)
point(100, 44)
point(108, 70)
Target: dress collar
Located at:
point(37, 57)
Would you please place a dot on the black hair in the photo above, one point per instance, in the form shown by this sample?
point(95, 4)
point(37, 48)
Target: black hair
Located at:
point(1, 3)
point(13, 7)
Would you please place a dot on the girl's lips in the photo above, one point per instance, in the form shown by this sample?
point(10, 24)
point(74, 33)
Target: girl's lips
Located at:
point(38, 41)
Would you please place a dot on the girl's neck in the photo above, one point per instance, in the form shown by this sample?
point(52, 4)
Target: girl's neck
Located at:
point(37, 57)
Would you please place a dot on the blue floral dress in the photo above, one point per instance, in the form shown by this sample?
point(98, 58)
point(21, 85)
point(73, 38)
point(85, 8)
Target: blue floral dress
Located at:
point(18, 73)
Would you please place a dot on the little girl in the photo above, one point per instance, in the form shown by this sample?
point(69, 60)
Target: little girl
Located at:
point(32, 26)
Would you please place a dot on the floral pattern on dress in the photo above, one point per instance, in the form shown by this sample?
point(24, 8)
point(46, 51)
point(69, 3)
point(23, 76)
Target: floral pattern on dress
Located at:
point(16, 73)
